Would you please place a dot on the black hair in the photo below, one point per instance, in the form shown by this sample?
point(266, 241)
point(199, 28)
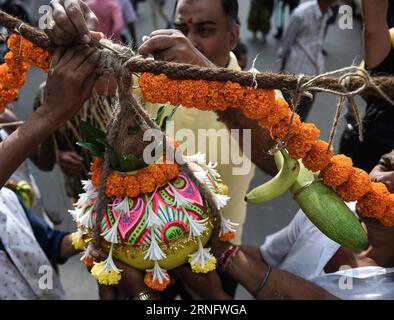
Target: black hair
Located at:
point(230, 8)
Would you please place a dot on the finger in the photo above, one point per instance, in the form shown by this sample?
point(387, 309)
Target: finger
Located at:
point(166, 55)
point(81, 57)
point(74, 163)
point(75, 14)
point(76, 157)
point(98, 255)
point(91, 19)
point(63, 23)
point(89, 65)
point(97, 35)
point(164, 32)
point(157, 43)
point(57, 56)
point(89, 83)
point(57, 40)
point(70, 54)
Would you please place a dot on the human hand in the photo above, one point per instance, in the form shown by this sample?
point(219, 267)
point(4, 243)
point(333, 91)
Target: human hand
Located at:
point(67, 250)
point(70, 163)
point(71, 78)
point(172, 45)
point(201, 286)
point(73, 21)
point(130, 285)
point(384, 171)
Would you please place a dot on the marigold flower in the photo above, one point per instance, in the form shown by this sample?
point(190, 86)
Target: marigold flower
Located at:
point(258, 102)
point(281, 129)
point(103, 276)
point(302, 141)
point(234, 94)
point(31, 53)
point(275, 114)
point(358, 184)
point(388, 218)
point(375, 202)
point(96, 169)
point(77, 241)
point(146, 181)
point(225, 237)
point(158, 173)
point(115, 186)
point(318, 158)
point(338, 170)
point(88, 261)
point(132, 186)
point(171, 170)
point(156, 284)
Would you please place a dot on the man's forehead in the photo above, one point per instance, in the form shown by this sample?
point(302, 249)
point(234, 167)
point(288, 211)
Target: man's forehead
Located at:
point(198, 11)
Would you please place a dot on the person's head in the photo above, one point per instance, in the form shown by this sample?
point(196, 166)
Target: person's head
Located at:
point(241, 52)
point(211, 25)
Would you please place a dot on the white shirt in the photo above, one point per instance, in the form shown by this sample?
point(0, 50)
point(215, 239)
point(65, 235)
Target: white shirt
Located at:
point(25, 271)
point(302, 249)
point(303, 40)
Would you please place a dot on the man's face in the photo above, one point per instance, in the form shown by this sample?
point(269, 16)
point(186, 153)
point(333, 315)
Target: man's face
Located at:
point(204, 23)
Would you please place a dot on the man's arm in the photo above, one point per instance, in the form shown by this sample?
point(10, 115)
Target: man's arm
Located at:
point(377, 42)
point(261, 141)
point(44, 156)
point(70, 83)
point(249, 270)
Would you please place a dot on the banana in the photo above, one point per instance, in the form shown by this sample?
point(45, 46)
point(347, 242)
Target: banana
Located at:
point(25, 191)
point(328, 212)
point(287, 175)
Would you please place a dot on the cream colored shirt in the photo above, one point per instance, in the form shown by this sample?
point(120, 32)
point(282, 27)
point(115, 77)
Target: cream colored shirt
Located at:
point(194, 120)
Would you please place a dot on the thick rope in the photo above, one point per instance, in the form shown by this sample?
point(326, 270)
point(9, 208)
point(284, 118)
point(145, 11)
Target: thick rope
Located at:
point(176, 71)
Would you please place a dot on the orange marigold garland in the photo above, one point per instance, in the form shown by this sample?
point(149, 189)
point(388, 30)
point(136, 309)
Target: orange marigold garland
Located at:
point(388, 217)
point(281, 129)
point(358, 184)
point(156, 284)
point(338, 170)
point(114, 185)
point(30, 52)
point(375, 203)
point(278, 112)
point(300, 143)
point(145, 180)
point(13, 72)
point(318, 158)
point(352, 184)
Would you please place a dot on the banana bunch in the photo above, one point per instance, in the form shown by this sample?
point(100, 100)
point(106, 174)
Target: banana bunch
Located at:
point(321, 204)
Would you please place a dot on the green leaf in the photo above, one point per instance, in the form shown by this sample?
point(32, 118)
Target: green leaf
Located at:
point(159, 115)
point(94, 150)
point(90, 133)
point(130, 163)
point(168, 118)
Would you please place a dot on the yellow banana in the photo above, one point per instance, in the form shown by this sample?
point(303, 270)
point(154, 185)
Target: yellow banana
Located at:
point(26, 193)
point(287, 175)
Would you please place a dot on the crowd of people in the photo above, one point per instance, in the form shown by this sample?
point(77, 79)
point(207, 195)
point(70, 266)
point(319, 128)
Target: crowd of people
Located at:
point(298, 262)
